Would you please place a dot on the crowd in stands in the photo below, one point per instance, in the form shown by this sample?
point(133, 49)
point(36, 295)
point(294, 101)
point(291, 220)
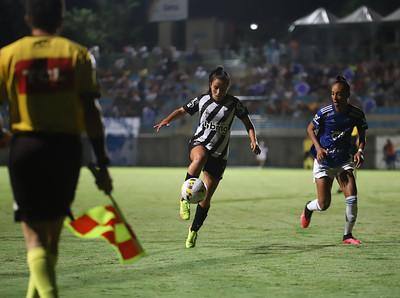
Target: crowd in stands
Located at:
point(145, 83)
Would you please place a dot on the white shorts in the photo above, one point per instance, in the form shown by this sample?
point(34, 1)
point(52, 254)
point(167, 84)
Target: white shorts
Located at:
point(320, 171)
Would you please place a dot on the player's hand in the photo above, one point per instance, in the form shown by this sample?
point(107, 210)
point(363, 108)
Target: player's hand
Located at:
point(161, 124)
point(321, 154)
point(5, 138)
point(102, 177)
point(358, 159)
point(255, 148)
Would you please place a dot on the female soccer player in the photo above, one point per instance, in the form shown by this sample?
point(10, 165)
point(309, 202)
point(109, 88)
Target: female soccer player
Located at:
point(330, 132)
point(208, 148)
point(51, 87)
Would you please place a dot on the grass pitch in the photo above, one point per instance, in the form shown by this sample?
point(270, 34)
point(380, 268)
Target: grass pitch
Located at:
point(250, 246)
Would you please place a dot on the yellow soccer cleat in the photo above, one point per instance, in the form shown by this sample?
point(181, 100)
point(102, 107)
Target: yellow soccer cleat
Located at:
point(191, 239)
point(184, 210)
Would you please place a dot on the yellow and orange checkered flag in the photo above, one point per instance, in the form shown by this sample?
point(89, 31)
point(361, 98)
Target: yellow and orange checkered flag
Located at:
point(107, 222)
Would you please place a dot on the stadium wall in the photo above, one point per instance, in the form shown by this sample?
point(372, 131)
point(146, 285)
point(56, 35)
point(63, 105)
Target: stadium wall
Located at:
point(282, 151)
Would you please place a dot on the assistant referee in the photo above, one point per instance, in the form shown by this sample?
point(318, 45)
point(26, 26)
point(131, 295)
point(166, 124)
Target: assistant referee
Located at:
point(51, 87)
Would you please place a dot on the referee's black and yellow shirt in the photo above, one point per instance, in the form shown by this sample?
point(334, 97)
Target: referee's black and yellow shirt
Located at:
point(43, 78)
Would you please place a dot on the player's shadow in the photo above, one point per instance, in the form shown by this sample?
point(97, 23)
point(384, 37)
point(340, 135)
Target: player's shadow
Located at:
point(279, 249)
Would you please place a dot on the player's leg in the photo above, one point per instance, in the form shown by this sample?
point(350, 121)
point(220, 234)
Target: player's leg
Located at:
point(213, 171)
point(198, 157)
point(347, 182)
point(323, 183)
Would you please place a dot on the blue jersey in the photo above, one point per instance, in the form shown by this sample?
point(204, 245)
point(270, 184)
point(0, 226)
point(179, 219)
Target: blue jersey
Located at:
point(333, 130)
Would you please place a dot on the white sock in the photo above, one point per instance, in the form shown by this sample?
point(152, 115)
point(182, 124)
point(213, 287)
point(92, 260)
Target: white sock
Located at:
point(313, 206)
point(351, 214)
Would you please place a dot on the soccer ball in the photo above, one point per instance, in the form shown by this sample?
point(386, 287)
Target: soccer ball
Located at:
point(193, 190)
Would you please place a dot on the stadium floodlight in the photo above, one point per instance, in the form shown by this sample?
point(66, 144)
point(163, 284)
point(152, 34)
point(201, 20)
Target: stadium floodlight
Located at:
point(253, 26)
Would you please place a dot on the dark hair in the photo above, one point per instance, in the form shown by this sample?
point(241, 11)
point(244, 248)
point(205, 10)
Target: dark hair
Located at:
point(45, 14)
point(341, 80)
point(219, 73)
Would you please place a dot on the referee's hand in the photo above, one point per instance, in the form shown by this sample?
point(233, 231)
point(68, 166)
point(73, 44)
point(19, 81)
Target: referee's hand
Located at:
point(102, 177)
point(5, 138)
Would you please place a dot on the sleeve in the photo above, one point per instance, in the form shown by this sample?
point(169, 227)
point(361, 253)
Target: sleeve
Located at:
point(317, 120)
point(192, 106)
point(240, 110)
point(3, 91)
point(87, 79)
point(362, 122)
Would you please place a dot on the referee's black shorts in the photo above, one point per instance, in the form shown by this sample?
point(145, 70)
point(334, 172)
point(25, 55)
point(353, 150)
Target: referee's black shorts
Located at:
point(44, 171)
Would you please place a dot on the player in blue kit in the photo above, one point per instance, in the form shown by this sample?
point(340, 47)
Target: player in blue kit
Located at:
point(330, 132)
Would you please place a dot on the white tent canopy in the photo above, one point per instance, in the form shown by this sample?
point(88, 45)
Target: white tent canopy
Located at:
point(362, 14)
point(317, 17)
point(393, 17)
point(320, 16)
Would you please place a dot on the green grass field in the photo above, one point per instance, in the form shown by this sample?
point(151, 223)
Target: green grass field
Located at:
point(250, 246)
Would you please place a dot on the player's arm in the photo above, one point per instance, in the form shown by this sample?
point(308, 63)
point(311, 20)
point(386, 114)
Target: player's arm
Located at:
point(171, 117)
point(321, 152)
point(252, 134)
point(5, 135)
point(359, 156)
point(95, 131)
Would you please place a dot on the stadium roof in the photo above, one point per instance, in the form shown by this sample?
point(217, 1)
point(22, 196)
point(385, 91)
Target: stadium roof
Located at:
point(393, 17)
point(362, 14)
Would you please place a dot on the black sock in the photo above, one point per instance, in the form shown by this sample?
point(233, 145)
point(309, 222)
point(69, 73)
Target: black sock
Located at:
point(188, 176)
point(347, 236)
point(199, 218)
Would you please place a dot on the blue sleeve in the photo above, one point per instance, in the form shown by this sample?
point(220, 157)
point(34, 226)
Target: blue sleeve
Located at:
point(317, 120)
point(192, 106)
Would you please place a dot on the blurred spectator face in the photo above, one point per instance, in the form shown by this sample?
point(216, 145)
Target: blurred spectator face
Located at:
point(339, 96)
point(219, 88)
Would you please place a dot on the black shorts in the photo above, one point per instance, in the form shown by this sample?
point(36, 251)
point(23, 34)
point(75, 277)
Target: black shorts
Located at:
point(44, 171)
point(214, 166)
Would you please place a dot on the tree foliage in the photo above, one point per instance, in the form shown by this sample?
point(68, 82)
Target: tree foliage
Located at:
point(109, 24)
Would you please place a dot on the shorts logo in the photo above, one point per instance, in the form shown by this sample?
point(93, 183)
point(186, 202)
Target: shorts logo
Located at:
point(213, 126)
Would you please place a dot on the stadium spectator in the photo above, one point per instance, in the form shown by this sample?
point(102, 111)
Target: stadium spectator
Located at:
point(50, 85)
point(209, 145)
point(333, 158)
point(389, 155)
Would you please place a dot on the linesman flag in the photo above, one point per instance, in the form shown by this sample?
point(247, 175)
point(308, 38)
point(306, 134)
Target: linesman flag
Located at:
point(108, 223)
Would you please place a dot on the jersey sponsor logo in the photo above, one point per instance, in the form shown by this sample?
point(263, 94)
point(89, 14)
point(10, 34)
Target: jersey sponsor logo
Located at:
point(216, 127)
point(44, 75)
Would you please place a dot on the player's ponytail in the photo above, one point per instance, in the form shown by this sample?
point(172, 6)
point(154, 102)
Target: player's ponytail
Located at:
point(342, 80)
point(218, 73)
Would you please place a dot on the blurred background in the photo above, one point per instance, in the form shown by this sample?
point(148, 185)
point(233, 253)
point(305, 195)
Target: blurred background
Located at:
point(155, 55)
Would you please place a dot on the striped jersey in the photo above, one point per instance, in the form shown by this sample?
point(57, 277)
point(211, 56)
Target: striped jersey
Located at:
point(215, 121)
point(334, 130)
point(44, 77)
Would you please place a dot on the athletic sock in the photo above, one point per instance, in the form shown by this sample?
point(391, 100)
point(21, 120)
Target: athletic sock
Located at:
point(351, 214)
point(188, 176)
point(32, 291)
point(313, 206)
point(42, 272)
point(200, 216)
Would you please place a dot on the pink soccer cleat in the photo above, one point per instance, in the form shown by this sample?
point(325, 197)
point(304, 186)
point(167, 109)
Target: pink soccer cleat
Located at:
point(305, 217)
point(349, 239)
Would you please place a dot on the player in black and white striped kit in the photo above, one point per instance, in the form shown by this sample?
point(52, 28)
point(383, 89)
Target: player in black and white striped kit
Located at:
point(209, 146)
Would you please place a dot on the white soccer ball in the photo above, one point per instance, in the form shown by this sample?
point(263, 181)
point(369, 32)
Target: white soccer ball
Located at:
point(193, 190)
